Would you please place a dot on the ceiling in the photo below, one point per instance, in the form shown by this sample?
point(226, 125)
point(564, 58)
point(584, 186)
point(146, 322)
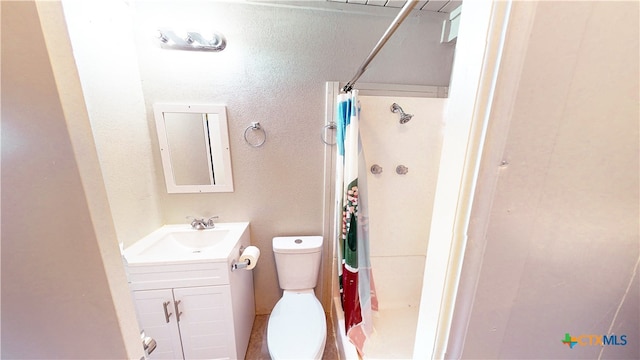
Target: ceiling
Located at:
point(442, 6)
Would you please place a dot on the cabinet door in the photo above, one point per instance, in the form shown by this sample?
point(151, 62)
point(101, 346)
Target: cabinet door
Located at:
point(153, 320)
point(206, 322)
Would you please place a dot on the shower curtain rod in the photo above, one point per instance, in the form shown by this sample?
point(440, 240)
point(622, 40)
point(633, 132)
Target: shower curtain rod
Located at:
point(404, 12)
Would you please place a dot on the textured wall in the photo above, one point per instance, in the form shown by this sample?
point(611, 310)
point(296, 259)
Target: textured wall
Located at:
point(561, 248)
point(274, 71)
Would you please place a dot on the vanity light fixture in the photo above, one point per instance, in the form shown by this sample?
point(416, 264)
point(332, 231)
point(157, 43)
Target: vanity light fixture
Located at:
point(190, 40)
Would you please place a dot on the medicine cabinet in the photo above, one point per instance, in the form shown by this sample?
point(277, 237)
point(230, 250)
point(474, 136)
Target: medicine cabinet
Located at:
point(194, 146)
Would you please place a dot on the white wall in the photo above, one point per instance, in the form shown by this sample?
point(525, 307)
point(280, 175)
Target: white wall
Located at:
point(477, 53)
point(400, 205)
point(560, 252)
point(64, 292)
point(400, 211)
point(101, 33)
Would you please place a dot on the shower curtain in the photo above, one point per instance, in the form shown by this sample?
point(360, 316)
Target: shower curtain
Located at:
point(357, 289)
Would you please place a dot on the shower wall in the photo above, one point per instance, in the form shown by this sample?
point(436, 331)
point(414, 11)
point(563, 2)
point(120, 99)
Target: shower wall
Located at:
point(400, 209)
point(400, 205)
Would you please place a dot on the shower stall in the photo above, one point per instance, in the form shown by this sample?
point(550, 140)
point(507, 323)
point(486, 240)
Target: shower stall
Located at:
point(417, 271)
point(402, 131)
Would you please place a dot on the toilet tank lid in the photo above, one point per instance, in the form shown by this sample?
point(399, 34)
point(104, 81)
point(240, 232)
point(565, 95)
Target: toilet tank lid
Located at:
point(297, 244)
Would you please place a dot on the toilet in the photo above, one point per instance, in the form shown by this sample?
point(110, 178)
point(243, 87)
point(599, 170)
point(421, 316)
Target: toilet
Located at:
point(297, 327)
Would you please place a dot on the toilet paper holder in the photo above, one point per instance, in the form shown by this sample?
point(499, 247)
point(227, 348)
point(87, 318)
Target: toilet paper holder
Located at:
point(240, 265)
point(236, 265)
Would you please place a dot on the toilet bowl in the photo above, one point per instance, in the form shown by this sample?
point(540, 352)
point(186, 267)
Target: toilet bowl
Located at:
point(297, 327)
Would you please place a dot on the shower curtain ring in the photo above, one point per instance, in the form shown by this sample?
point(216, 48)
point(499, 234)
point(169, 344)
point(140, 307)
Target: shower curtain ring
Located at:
point(255, 126)
point(331, 125)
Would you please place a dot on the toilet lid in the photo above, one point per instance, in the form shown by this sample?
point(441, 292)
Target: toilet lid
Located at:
point(297, 327)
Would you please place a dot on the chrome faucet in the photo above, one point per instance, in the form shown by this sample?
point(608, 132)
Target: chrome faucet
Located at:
point(202, 224)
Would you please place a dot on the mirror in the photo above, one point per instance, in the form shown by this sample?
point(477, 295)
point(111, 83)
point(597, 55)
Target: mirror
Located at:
point(194, 146)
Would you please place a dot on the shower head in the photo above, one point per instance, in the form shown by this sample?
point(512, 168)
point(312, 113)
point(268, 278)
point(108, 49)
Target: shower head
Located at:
point(404, 117)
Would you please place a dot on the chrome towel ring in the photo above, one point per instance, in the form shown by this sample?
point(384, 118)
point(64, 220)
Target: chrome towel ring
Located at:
point(323, 137)
point(255, 127)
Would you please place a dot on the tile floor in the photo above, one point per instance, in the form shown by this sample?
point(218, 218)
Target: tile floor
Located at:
point(257, 349)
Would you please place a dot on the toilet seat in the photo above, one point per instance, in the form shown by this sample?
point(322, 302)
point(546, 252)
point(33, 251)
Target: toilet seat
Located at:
point(297, 327)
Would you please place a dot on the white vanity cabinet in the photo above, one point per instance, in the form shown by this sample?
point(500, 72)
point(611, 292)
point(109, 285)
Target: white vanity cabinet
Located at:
point(198, 309)
point(191, 322)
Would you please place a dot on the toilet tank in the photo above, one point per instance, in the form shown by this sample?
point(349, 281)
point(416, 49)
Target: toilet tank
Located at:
point(297, 261)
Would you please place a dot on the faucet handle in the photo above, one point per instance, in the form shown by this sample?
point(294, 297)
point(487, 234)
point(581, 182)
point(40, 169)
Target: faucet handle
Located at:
point(196, 223)
point(210, 222)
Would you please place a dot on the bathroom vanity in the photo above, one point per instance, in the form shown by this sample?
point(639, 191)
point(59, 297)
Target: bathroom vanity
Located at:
point(187, 296)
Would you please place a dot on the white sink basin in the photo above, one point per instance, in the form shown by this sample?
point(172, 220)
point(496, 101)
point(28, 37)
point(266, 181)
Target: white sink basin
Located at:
point(182, 244)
